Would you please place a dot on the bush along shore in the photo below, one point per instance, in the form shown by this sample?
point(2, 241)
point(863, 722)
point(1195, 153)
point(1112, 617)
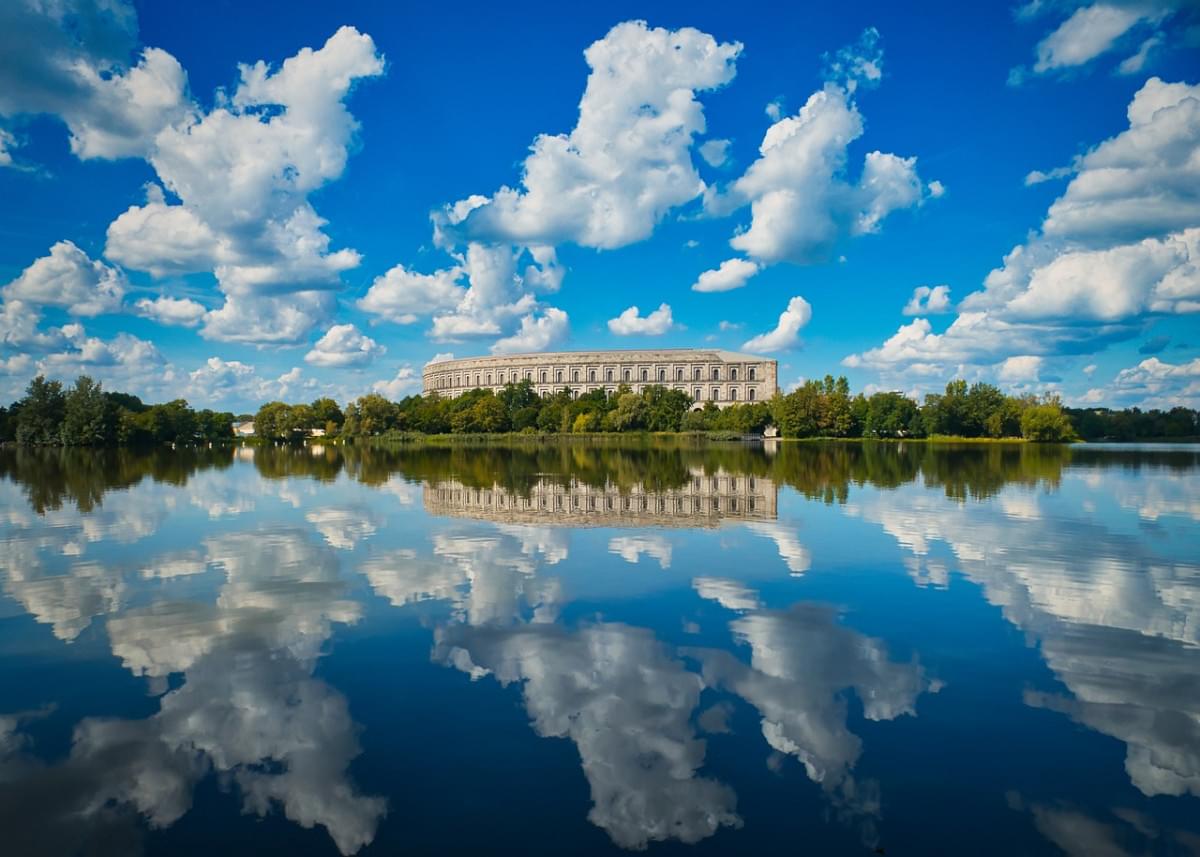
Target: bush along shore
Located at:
point(86, 415)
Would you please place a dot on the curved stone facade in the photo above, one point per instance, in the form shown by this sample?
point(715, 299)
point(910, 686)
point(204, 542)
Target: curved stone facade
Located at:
point(705, 374)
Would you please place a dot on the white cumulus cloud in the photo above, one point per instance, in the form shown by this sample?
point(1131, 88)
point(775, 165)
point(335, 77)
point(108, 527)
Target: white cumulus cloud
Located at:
point(406, 382)
point(537, 333)
point(1120, 245)
point(402, 296)
point(343, 345)
point(181, 312)
point(1025, 367)
point(72, 59)
point(715, 152)
point(67, 278)
point(630, 323)
point(1095, 29)
point(628, 160)
point(730, 274)
point(801, 200)
point(928, 300)
point(242, 174)
point(787, 333)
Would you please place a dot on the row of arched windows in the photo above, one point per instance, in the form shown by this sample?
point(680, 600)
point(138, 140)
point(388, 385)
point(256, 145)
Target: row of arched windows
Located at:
point(628, 375)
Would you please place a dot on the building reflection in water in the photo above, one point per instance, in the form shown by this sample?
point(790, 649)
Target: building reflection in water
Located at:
point(1091, 555)
point(706, 500)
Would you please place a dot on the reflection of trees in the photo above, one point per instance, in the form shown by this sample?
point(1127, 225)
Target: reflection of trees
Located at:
point(322, 463)
point(51, 475)
point(822, 471)
point(518, 467)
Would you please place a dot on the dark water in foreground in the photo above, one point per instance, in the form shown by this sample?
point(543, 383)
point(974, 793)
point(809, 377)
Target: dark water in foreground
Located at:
point(827, 649)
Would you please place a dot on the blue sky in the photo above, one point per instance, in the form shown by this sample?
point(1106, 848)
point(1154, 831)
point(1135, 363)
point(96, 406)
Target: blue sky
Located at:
point(235, 205)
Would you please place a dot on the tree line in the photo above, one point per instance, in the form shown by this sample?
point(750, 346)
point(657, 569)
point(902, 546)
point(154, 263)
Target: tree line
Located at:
point(87, 415)
point(52, 475)
point(824, 408)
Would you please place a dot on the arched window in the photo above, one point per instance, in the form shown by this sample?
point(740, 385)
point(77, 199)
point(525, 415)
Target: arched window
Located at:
point(476, 380)
point(678, 374)
point(696, 397)
point(733, 394)
point(591, 374)
point(645, 375)
point(608, 375)
point(662, 374)
point(716, 373)
point(733, 374)
point(543, 377)
point(528, 376)
point(752, 373)
point(575, 377)
point(558, 377)
point(489, 377)
point(716, 394)
point(750, 394)
point(500, 378)
point(626, 374)
point(696, 374)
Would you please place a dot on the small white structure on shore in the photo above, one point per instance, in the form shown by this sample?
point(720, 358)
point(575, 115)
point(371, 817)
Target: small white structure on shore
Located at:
point(245, 429)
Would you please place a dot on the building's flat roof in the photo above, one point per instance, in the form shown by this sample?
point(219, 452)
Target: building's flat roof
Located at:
point(718, 353)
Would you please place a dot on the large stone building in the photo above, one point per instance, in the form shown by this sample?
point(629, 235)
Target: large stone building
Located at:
point(705, 374)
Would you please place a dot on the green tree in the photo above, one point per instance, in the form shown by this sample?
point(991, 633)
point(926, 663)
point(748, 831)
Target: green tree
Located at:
point(665, 408)
point(376, 414)
point(947, 413)
point(889, 415)
point(41, 412)
point(8, 423)
point(516, 397)
point(326, 414)
point(631, 411)
point(836, 418)
point(271, 421)
point(489, 415)
point(214, 426)
point(88, 418)
point(983, 411)
point(1046, 422)
point(524, 418)
point(798, 414)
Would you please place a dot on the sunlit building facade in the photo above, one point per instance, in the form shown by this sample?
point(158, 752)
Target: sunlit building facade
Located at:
point(705, 374)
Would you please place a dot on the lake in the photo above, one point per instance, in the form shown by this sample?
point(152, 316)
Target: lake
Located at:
point(591, 648)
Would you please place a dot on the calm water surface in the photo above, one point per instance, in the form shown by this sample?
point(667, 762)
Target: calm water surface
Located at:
point(820, 649)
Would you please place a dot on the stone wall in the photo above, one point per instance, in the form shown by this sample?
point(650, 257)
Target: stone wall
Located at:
point(706, 375)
